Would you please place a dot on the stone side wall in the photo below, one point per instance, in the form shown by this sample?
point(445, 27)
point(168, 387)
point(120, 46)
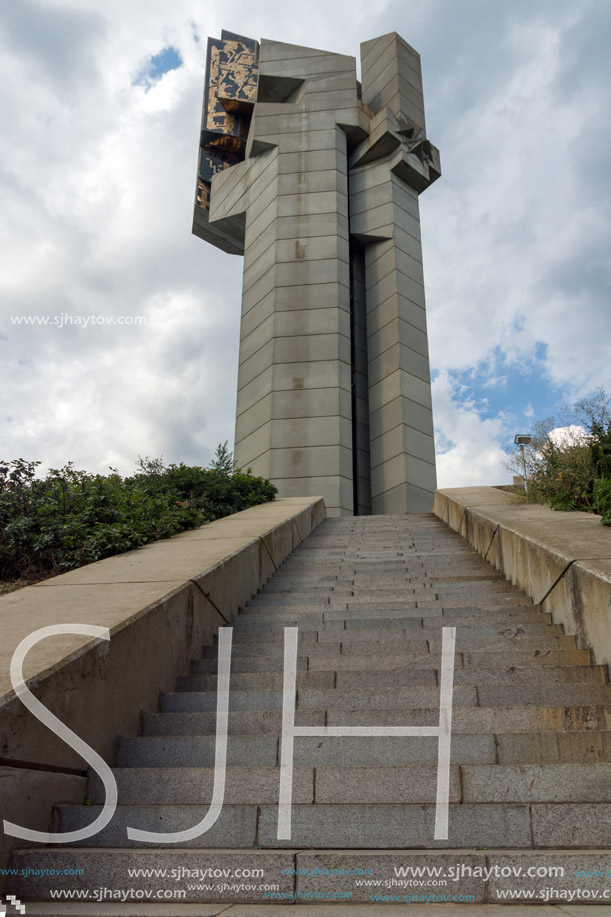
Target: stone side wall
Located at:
point(161, 603)
point(561, 560)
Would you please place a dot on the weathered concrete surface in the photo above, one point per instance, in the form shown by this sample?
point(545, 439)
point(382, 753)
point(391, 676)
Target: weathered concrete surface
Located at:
point(531, 753)
point(561, 560)
point(160, 603)
point(333, 380)
point(169, 909)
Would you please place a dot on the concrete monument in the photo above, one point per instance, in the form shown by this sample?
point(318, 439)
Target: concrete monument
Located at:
point(314, 178)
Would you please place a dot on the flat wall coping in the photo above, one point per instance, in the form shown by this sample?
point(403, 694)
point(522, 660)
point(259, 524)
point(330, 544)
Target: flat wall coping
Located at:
point(573, 535)
point(161, 603)
point(561, 560)
point(115, 591)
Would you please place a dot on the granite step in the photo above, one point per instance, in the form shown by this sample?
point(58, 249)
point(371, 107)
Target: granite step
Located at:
point(368, 782)
point(341, 826)
point(401, 676)
point(195, 751)
point(531, 730)
point(311, 660)
point(193, 785)
point(348, 621)
point(385, 698)
point(310, 751)
point(182, 717)
point(279, 600)
point(390, 640)
point(285, 618)
point(290, 588)
point(318, 873)
point(464, 695)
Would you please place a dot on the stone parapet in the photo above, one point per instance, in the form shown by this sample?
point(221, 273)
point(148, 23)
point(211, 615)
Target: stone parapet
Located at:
point(161, 604)
point(561, 560)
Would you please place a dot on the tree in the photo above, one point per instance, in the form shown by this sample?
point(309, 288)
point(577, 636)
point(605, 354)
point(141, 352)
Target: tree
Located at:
point(568, 462)
point(223, 461)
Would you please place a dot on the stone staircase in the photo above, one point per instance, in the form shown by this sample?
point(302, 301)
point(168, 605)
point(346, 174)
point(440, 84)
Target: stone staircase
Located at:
point(530, 774)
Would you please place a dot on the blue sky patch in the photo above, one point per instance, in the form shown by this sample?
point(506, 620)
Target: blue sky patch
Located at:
point(521, 393)
point(167, 59)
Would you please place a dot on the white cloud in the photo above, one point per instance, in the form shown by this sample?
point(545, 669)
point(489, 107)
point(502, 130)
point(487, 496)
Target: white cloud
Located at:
point(511, 216)
point(467, 450)
point(97, 177)
point(572, 435)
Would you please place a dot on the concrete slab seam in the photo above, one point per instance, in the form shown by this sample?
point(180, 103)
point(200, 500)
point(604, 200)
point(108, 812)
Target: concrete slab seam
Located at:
point(556, 581)
point(260, 537)
point(494, 534)
point(207, 596)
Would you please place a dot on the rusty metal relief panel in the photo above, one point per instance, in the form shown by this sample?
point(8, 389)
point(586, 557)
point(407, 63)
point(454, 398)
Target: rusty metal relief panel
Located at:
point(230, 94)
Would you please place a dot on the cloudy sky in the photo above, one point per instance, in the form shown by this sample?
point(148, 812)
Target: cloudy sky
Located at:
point(100, 108)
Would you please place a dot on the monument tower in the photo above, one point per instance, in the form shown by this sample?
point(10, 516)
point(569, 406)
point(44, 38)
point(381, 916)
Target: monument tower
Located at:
point(314, 178)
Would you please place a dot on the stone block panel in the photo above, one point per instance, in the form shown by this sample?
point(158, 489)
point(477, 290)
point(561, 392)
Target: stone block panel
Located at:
point(400, 96)
point(402, 440)
point(398, 332)
point(311, 402)
point(325, 82)
point(253, 292)
point(312, 348)
point(255, 225)
point(259, 267)
point(313, 375)
point(257, 314)
point(334, 489)
point(260, 244)
point(400, 410)
point(395, 357)
point(314, 151)
point(290, 205)
point(377, 52)
point(394, 260)
point(311, 321)
point(306, 182)
point(401, 383)
point(259, 441)
point(258, 413)
point(407, 498)
point(312, 462)
point(314, 296)
point(396, 305)
point(258, 363)
point(297, 432)
point(253, 392)
point(330, 100)
point(403, 467)
point(301, 227)
point(318, 249)
point(253, 341)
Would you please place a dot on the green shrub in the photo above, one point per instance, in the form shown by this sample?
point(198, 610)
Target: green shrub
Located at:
point(70, 517)
point(602, 499)
point(571, 471)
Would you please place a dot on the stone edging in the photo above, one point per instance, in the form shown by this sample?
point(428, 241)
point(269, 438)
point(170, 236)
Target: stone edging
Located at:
point(161, 604)
point(561, 560)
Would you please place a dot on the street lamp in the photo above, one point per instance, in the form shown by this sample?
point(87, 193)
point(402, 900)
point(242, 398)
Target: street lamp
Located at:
point(521, 440)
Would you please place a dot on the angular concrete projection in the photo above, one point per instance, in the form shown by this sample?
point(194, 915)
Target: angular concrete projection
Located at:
point(315, 178)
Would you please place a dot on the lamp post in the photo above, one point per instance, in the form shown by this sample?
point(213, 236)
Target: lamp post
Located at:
point(521, 440)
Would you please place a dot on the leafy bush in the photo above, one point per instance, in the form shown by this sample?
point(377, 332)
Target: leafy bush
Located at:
point(602, 499)
point(568, 463)
point(70, 517)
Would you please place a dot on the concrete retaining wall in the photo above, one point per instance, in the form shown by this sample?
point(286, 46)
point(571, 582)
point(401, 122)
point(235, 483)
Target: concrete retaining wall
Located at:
point(562, 560)
point(161, 603)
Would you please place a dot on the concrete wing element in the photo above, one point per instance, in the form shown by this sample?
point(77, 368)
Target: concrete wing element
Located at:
point(316, 182)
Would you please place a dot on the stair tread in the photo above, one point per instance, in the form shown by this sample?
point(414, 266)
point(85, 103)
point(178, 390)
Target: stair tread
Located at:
point(530, 765)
